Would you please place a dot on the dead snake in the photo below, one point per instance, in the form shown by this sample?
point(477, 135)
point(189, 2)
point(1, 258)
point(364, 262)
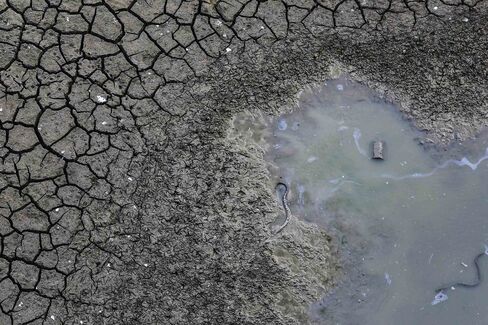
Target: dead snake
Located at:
point(476, 283)
point(284, 202)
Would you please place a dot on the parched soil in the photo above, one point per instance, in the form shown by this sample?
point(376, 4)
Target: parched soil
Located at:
point(123, 198)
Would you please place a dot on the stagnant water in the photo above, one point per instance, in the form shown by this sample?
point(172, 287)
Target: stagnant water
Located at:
point(404, 226)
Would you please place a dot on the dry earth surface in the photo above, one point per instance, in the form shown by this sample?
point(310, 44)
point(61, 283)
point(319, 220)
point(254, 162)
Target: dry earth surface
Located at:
point(123, 199)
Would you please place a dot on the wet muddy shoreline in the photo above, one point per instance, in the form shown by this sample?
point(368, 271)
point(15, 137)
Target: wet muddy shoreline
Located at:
point(355, 289)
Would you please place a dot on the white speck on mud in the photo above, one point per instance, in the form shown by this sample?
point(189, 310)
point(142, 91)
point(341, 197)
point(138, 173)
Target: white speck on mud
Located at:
point(228, 50)
point(311, 159)
point(101, 99)
point(340, 87)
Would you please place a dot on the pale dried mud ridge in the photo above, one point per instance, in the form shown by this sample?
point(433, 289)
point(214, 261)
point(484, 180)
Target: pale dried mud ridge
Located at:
point(122, 201)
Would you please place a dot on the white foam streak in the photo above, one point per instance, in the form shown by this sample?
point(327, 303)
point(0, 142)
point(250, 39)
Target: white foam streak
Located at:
point(357, 135)
point(301, 198)
point(463, 162)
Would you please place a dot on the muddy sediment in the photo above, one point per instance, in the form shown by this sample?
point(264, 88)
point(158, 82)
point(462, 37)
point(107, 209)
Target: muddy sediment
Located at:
point(125, 200)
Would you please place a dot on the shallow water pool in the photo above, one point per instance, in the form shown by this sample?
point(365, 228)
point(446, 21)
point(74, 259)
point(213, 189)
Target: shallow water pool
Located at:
point(403, 226)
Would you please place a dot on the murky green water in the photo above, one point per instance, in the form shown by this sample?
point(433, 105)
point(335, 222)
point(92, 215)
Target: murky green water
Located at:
point(404, 226)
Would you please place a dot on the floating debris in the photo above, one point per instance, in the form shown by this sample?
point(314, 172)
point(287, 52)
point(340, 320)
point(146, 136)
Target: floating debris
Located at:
point(439, 297)
point(282, 125)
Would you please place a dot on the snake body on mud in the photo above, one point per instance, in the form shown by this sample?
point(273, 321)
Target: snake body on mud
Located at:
point(284, 202)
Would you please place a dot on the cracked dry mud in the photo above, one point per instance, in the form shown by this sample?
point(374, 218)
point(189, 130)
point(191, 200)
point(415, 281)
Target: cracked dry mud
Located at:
point(122, 198)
